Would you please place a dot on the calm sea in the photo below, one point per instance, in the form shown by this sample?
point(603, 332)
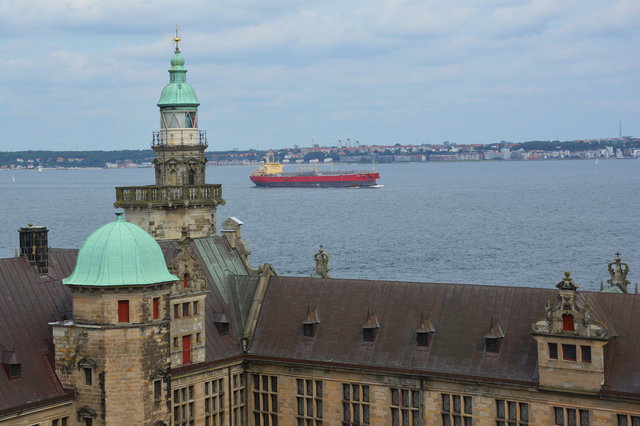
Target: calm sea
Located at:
point(504, 223)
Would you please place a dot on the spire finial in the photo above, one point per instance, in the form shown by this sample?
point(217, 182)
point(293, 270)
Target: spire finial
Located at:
point(177, 38)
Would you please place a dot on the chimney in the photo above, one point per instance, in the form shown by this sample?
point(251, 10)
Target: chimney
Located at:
point(34, 247)
point(231, 230)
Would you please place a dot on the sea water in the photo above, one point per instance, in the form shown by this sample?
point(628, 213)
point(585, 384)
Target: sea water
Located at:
point(517, 223)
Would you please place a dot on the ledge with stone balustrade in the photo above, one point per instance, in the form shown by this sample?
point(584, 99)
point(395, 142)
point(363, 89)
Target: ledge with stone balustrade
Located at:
point(170, 196)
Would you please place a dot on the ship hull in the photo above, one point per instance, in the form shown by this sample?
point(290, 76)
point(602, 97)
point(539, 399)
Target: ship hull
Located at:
point(318, 181)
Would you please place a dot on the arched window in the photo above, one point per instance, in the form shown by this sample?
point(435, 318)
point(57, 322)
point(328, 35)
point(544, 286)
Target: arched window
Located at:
point(567, 322)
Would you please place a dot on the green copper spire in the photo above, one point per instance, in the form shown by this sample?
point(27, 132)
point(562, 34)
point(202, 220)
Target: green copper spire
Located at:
point(178, 93)
point(119, 253)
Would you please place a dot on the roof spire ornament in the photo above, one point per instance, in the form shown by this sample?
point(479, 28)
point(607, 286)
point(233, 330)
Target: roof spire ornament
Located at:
point(618, 271)
point(177, 39)
point(322, 264)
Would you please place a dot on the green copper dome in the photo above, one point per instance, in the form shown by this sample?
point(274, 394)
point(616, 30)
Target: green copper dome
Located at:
point(119, 253)
point(178, 93)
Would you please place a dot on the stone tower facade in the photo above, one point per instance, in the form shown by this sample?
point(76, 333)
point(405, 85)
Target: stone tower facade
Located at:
point(180, 198)
point(115, 353)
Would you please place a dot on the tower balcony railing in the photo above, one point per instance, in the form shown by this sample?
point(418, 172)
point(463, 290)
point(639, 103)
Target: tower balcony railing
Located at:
point(162, 138)
point(186, 195)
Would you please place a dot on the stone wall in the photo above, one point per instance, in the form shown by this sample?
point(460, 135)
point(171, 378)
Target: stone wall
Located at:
point(166, 223)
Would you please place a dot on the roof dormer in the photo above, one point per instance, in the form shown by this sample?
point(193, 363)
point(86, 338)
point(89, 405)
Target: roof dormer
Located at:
point(310, 323)
point(570, 342)
point(493, 338)
point(424, 333)
point(370, 328)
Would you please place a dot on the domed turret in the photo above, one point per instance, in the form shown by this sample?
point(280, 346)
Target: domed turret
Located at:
point(119, 253)
point(178, 93)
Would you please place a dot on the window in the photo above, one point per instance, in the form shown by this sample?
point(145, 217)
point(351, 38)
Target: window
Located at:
point(628, 420)
point(569, 352)
point(457, 410)
point(186, 349)
point(355, 404)
point(214, 402)
point(567, 322)
point(196, 307)
point(511, 413)
point(62, 421)
point(553, 350)
point(423, 338)
point(88, 376)
point(265, 400)
point(570, 416)
point(156, 308)
point(175, 342)
point(405, 407)
point(223, 328)
point(307, 330)
point(123, 311)
point(176, 310)
point(183, 413)
point(185, 280)
point(157, 390)
point(185, 309)
point(238, 392)
point(585, 353)
point(87, 421)
point(13, 371)
point(309, 400)
point(368, 334)
point(492, 345)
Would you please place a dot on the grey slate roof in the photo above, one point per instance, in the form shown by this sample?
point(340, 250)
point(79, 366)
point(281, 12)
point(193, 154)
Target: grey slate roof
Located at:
point(461, 315)
point(28, 303)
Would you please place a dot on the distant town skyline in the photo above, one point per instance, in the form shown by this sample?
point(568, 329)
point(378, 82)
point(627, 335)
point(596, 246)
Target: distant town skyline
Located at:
point(86, 75)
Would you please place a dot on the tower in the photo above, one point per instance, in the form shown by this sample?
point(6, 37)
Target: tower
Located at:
point(180, 198)
point(115, 353)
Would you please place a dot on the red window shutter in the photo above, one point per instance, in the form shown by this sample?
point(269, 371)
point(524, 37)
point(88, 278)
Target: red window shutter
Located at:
point(567, 322)
point(123, 311)
point(186, 349)
point(156, 308)
point(185, 280)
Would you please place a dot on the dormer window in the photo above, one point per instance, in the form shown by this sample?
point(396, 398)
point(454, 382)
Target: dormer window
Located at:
point(370, 328)
point(310, 323)
point(221, 322)
point(492, 345)
point(223, 328)
point(567, 322)
point(424, 333)
point(307, 330)
point(368, 334)
point(493, 338)
point(14, 371)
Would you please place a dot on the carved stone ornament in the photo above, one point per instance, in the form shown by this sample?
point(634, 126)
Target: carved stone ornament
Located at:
point(186, 267)
point(86, 363)
point(158, 374)
point(618, 271)
point(322, 264)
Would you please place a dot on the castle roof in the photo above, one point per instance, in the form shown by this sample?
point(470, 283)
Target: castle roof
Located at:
point(119, 253)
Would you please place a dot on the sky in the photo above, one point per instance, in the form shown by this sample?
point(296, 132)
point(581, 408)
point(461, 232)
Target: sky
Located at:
point(87, 74)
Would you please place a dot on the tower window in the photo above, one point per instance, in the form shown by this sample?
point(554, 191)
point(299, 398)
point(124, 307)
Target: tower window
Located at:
point(157, 390)
point(185, 309)
point(176, 310)
point(88, 376)
point(196, 309)
point(186, 349)
point(123, 311)
point(156, 308)
point(567, 322)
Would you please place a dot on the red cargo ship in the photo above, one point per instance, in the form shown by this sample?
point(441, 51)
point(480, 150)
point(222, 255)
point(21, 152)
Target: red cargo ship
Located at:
point(271, 174)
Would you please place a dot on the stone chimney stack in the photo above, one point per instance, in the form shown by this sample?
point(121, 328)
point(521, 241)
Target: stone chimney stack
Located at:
point(34, 245)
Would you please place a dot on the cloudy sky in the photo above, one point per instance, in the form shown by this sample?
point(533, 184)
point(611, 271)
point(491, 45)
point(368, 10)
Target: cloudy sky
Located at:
point(86, 74)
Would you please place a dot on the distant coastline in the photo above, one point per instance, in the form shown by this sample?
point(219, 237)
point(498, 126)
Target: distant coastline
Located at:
point(346, 152)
